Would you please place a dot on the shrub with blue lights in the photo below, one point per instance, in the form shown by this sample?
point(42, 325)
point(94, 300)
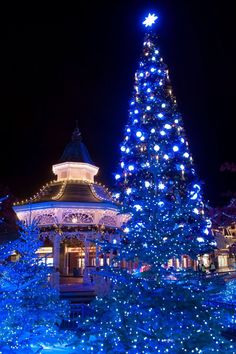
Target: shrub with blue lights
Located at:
point(31, 310)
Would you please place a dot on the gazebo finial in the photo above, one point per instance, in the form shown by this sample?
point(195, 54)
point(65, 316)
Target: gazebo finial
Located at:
point(76, 133)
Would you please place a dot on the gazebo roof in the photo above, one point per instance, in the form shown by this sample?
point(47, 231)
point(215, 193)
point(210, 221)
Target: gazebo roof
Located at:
point(72, 191)
point(75, 150)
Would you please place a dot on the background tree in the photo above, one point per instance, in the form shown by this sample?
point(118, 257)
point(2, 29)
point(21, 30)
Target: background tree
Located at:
point(7, 215)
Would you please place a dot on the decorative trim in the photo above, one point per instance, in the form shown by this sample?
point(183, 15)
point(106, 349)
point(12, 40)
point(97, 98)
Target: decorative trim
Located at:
point(61, 191)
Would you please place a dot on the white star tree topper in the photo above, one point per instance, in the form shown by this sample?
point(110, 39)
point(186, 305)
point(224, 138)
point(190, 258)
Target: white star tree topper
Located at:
point(150, 20)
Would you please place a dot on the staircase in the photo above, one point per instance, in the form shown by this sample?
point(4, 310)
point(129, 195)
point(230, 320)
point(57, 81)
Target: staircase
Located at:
point(77, 292)
point(80, 296)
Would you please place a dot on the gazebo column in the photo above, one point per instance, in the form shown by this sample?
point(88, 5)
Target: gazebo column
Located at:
point(55, 277)
point(97, 256)
point(105, 259)
point(106, 256)
point(56, 251)
point(65, 270)
point(111, 238)
point(86, 260)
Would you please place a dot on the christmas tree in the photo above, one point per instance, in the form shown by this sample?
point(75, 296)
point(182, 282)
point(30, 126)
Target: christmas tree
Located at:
point(154, 309)
point(31, 311)
point(157, 177)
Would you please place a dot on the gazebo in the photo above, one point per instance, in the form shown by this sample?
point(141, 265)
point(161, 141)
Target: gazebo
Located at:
point(72, 212)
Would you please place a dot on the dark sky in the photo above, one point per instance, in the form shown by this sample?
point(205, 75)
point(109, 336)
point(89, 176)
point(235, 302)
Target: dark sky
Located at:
point(63, 64)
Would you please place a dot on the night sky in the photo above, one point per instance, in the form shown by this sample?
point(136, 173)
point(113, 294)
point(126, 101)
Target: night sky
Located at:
point(59, 65)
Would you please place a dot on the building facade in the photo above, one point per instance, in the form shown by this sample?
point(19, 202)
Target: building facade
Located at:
point(224, 230)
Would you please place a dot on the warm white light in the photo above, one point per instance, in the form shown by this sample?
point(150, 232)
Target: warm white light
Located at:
point(75, 171)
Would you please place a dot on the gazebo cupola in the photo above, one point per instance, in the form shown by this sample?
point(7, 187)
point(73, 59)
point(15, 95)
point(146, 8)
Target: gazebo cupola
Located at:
point(75, 162)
